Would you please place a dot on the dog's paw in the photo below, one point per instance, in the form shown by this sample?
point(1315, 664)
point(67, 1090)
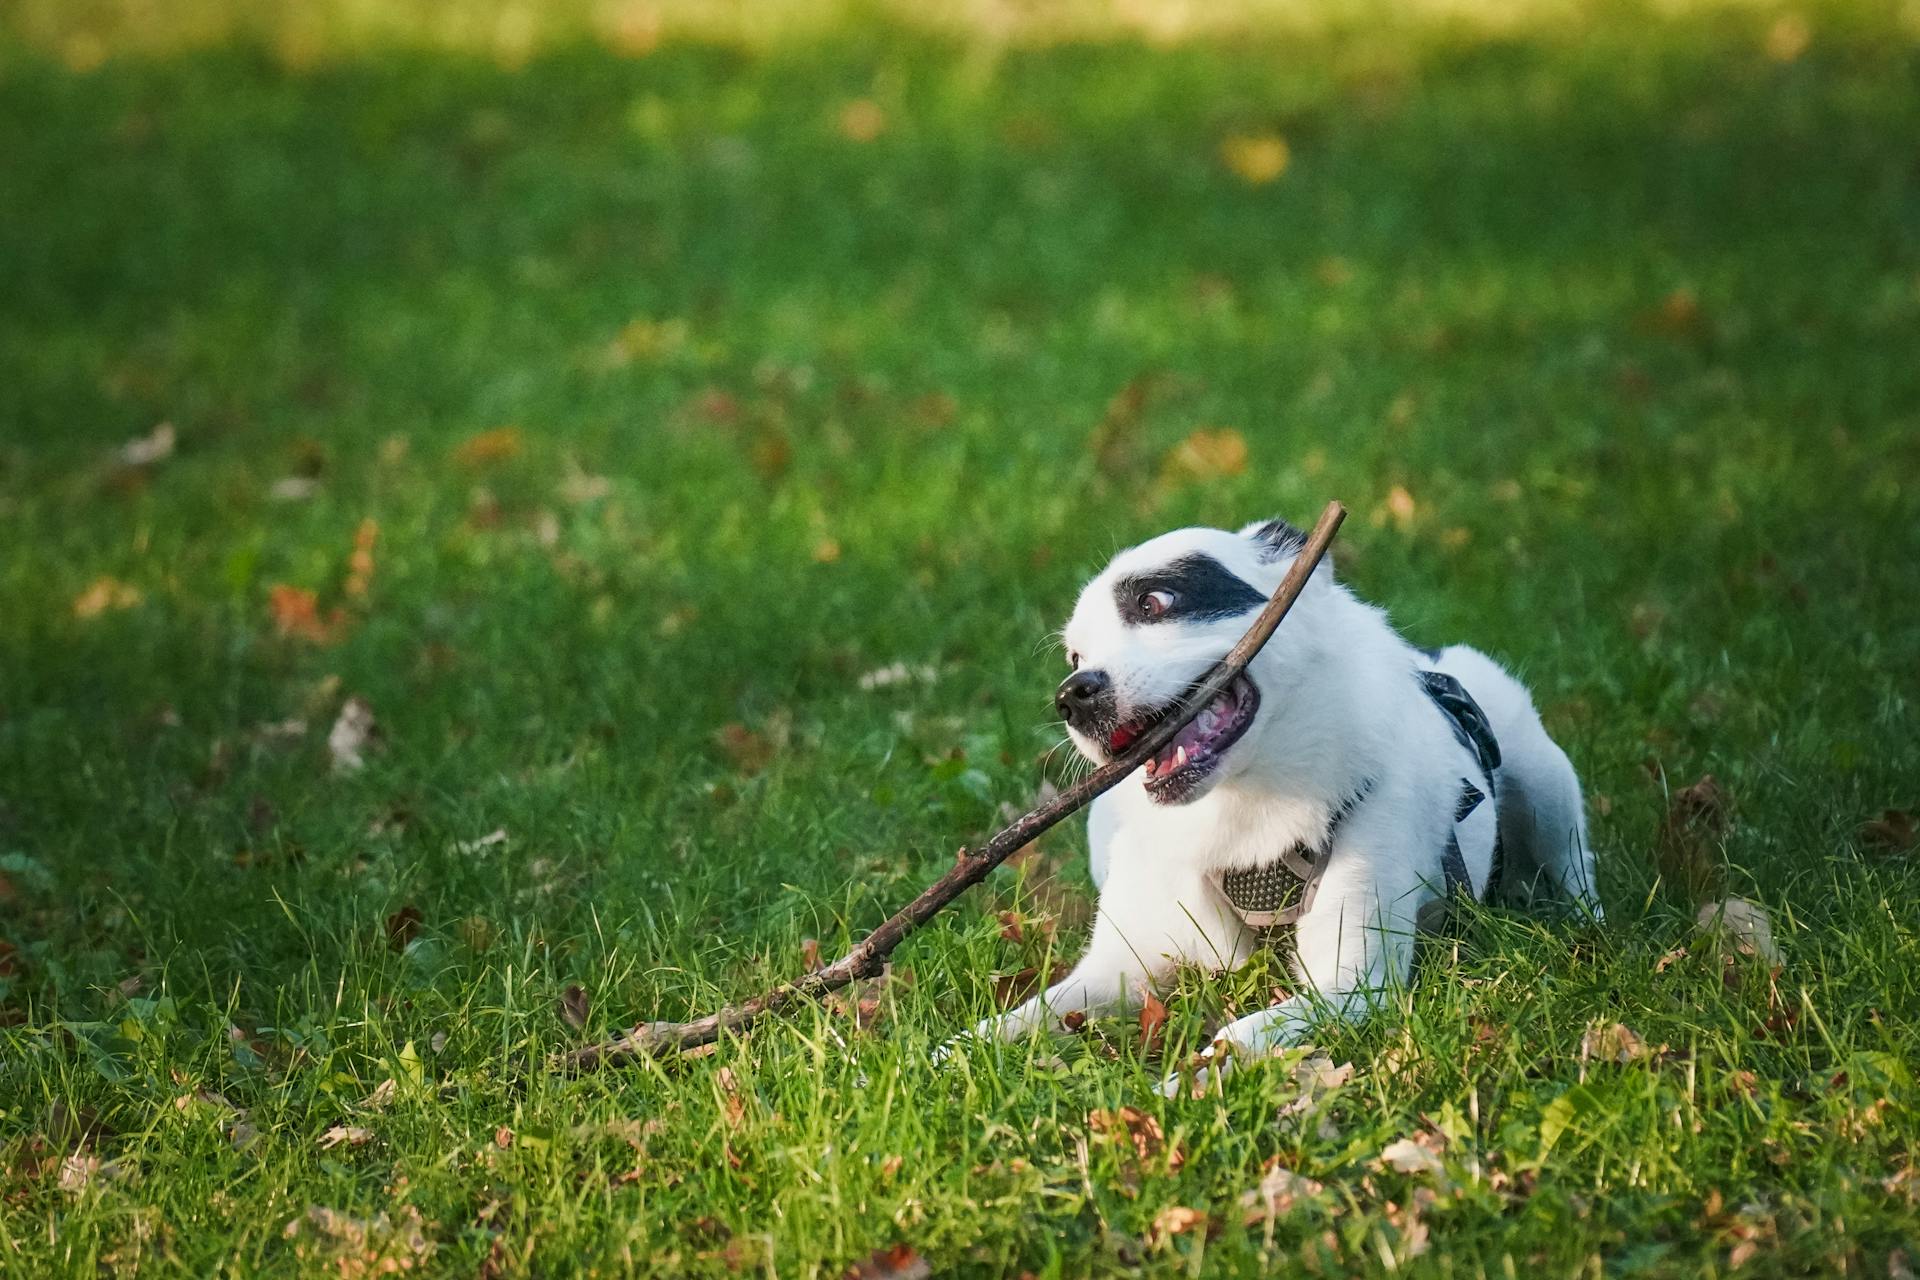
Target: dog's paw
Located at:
point(983, 1032)
point(1209, 1067)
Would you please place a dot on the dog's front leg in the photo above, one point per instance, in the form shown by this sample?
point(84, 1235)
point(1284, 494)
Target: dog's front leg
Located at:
point(1109, 974)
point(1348, 949)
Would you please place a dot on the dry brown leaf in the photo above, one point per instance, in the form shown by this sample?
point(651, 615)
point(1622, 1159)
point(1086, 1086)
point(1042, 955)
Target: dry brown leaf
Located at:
point(353, 1248)
point(1208, 454)
point(574, 1006)
point(502, 444)
point(360, 562)
point(503, 1137)
point(144, 451)
point(480, 844)
point(747, 751)
point(1153, 1022)
point(1279, 1191)
point(1400, 508)
point(296, 615)
point(1788, 37)
point(862, 120)
point(1612, 1042)
point(1174, 1220)
point(1743, 924)
point(1139, 1129)
point(1688, 852)
point(1256, 158)
point(345, 1135)
point(1894, 831)
point(403, 926)
point(1409, 1155)
point(352, 735)
point(810, 955)
point(103, 594)
point(897, 1263)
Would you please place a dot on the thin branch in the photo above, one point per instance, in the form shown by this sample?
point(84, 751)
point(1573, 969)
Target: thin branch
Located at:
point(971, 866)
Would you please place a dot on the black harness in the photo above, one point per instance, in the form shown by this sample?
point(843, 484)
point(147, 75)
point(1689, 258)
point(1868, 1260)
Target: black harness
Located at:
point(1273, 896)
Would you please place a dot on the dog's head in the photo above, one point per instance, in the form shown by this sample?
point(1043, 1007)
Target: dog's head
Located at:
point(1149, 627)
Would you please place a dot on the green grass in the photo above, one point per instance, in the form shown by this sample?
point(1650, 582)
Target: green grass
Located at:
point(1626, 304)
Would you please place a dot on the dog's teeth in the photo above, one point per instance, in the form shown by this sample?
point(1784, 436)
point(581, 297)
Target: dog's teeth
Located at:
point(1179, 757)
point(1149, 766)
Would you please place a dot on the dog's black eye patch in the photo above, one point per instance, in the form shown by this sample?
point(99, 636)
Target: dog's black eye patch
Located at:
point(1202, 588)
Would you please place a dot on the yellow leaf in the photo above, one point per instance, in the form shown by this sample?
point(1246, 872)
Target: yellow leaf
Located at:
point(1788, 37)
point(862, 120)
point(105, 594)
point(498, 445)
point(1174, 1219)
point(1256, 158)
point(1209, 454)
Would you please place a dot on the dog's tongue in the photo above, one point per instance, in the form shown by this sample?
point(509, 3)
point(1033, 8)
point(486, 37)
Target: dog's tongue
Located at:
point(1122, 738)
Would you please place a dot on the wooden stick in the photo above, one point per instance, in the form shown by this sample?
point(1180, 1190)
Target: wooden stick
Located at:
point(971, 867)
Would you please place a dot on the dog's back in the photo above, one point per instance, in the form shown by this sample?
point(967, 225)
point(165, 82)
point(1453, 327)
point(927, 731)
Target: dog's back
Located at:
point(1543, 823)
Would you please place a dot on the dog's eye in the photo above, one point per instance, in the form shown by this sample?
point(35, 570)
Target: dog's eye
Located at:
point(1154, 604)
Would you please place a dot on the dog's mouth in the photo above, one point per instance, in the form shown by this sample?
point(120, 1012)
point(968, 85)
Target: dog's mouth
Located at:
point(1179, 768)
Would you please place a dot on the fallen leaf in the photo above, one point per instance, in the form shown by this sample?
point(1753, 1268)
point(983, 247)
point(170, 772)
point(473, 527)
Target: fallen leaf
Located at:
point(1401, 509)
point(82, 1169)
point(144, 451)
point(1742, 923)
point(749, 752)
point(354, 1248)
point(296, 615)
point(1409, 1156)
point(1894, 831)
point(382, 1095)
point(293, 489)
point(1208, 454)
point(503, 1137)
point(1139, 1129)
point(352, 735)
point(480, 844)
point(1612, 1042)
point(1279, 1191)
point(810, 955)
point(1788, 37)
point(1256, 158)
point(502, 444)
point(1688, 851)
point(826, 551)
point(1174, 1220)
point(574, 1007)
point(862, 120)
point(580, 488)
point(104, 594)
point(898, 1263)
point(345, 1135)
point(360, 561)
point(403, 926)
point(1153, 1022)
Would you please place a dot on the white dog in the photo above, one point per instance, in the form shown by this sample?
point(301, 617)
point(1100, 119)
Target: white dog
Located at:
point(1346, 786)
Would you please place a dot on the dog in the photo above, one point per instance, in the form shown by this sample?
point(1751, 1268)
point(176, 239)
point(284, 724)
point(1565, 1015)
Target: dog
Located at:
point(1332, 800)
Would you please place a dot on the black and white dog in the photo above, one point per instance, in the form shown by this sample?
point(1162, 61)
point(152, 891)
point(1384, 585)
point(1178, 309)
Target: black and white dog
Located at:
point(1342, 789)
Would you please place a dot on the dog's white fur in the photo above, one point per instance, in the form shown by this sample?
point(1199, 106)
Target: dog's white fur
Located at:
point(1341, 712)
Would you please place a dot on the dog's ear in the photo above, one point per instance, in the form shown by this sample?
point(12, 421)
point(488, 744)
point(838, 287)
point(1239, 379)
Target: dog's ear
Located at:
point(1275, 539)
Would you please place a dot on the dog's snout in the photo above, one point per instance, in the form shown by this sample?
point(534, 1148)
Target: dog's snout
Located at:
point(1082, 695)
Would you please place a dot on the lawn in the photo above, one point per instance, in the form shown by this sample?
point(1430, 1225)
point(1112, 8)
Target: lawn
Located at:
point(683, 438)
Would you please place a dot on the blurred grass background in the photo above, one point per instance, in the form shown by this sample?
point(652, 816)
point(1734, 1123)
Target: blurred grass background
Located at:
point(601, 392)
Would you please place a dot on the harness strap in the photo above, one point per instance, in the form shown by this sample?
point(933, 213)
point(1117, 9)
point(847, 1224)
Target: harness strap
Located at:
point(1274, 895)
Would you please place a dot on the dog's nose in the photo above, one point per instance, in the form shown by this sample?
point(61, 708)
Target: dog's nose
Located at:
point(1080, 693)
